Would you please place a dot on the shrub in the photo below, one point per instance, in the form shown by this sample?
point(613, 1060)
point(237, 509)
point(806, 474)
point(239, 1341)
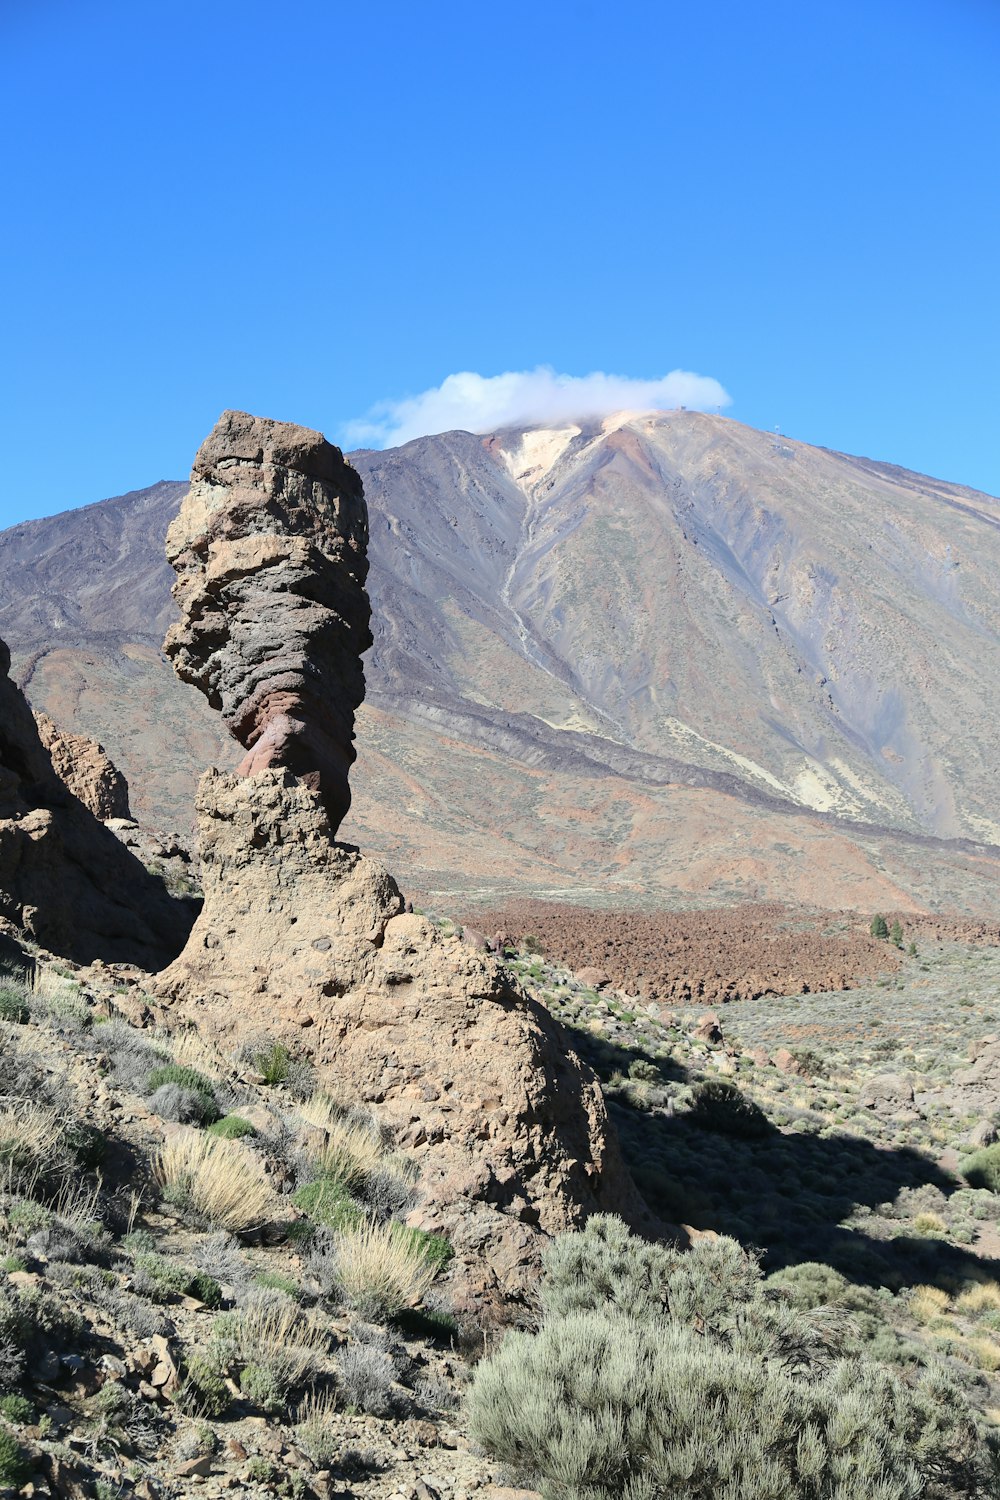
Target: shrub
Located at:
point(158, 1278)
point(377, 1270)
point(982, 1169)
point(17, 1408)
point(272, 1061)
point(716, 1105)
point(314, 1430)
point(13, 1003)
point(185, 1106)
point(190, 1081)
point(14, 1464)
point(329, 1203)
point(878, 926)
point(219, 1180)
point(982, 1296)
point(808, 1285)
point(366, 1374)
point(436, 1250)
point(278, 1338)
point(260, 1384)
point(232, 1128)
point(275, 1282)
point(666, 1401)
point(203, 1391)
point(34, 1156)
point(349, 1155)
point(389, 1194)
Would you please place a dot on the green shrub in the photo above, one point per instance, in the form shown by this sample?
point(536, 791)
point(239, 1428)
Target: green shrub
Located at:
point(329, 1203)
point(159, 1278)
point(878, 926)
point(272, 1062)
point(716, 1105)
point(434, 1247)
point(203, 1392)
point(261, 1385)
point(188, 1079)
point(14, 1003)
point(14, 1464)
point(653, 1377)
point(982, 1169)
point(232, 1128)
point(809, 1284)
point(205, 1288)
point(17, 1408)
point(274, 1281)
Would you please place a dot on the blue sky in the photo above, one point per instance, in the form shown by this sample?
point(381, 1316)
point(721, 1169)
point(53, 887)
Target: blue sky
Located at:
point(309, 210)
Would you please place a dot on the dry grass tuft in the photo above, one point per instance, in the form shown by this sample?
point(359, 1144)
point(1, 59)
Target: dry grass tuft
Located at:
point(350, 1152)
point(380, 1271)
point(986, 1353)
point(32, 1145)
point(219, 1179)
point(315, 1431)
point(930, 1225)
point(982, 1296)
point(190, 1050)
point(290, 1345)
point(928, 1303)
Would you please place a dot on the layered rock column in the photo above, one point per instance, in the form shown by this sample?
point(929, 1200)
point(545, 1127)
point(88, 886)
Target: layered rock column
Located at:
point(308, 940)
point(270, 549)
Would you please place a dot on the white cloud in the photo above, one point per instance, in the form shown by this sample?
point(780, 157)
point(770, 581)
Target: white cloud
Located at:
point(485, 403)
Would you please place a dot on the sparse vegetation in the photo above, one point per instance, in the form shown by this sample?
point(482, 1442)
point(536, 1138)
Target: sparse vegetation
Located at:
point(674, 1375)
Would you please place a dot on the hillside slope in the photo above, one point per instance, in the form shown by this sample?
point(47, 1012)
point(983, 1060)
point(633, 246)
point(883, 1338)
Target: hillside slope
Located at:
point(661, 658)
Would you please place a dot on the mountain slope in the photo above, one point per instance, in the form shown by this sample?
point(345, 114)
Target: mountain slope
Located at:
point(663, 657)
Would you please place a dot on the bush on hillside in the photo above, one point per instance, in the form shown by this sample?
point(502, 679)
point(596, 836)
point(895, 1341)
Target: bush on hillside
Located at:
point(982, 1169)
point(666, 1376)
point(716, 1105)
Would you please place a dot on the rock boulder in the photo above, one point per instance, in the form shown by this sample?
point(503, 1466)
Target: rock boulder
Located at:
point(308, 940)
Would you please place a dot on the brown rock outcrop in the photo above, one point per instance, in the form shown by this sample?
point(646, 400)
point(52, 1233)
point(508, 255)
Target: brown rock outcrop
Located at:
point(308, 940)
point(65, 880)
point(270, 548)
point(86, 768)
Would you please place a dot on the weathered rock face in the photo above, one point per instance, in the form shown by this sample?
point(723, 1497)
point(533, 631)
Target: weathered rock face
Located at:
point(65, 880)
point(308, 940)
point(270, 548)
point(86, 768)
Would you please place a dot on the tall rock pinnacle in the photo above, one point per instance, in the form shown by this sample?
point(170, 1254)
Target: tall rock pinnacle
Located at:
point(270, 548)
point(306, 939)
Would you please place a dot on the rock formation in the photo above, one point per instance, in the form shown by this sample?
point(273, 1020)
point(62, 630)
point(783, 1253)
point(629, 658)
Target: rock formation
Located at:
point(307, 939)
point(86, 768)
point(270, 548)
point(65, 880)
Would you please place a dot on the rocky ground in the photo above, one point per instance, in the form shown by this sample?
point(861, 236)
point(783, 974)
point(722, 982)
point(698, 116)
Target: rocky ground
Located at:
point(160, 1344)
point(717, 955)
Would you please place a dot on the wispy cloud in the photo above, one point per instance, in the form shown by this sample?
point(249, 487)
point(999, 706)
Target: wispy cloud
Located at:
point(484, 403)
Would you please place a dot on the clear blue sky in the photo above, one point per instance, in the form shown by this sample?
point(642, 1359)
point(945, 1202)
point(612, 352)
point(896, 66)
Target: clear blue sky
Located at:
point(305, 209)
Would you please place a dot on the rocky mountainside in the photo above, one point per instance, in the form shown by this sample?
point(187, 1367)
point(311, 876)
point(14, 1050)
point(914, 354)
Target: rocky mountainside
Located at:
point(662, 658)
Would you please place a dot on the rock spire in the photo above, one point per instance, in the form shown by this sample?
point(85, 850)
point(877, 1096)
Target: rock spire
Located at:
point(270, 549)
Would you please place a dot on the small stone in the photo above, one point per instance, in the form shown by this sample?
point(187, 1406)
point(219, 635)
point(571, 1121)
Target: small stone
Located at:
point(195, 1468)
